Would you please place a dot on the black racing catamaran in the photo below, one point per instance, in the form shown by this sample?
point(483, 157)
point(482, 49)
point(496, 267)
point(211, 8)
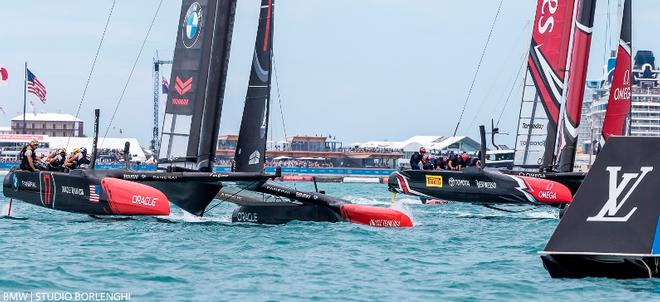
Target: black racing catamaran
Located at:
point(190, 131)
point(270, 203)
point(559, 44)
point(479, 185)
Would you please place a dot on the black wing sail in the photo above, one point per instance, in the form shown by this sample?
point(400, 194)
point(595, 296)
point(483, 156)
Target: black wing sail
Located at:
point(199, 71)
point(251, 148)
point(615, 212)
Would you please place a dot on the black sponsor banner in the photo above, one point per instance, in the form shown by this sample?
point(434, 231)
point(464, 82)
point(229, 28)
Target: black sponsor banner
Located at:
point(616, 208)
point(190, 56)
point(199, 72)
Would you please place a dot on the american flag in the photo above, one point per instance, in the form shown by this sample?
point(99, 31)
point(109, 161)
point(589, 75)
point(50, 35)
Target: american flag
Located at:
point(93, 195)
point(35, 87)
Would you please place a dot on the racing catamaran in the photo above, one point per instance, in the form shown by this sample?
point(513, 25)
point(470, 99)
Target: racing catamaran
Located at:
point(190, 131)
point(559, 44)
point(275, 204)
point(479, 185)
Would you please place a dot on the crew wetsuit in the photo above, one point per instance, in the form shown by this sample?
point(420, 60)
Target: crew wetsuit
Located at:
point(415, 159)
point(26, 153)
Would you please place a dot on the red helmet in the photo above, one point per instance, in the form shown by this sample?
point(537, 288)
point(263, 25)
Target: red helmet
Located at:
point(422, 150)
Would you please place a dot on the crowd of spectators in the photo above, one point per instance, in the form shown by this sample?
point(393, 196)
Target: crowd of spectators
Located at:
point(294, 163)
point(109, 156)
point(357, 149)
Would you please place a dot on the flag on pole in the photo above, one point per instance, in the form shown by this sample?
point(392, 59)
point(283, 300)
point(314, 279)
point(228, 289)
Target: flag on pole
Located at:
point(166, 86)
point(35, 87)
point(4, 76)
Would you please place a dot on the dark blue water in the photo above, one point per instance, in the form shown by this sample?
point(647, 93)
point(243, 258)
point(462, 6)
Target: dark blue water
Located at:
point(455, 252)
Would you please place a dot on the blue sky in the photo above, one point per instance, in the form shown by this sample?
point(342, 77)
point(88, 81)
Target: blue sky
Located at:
point(357, 69)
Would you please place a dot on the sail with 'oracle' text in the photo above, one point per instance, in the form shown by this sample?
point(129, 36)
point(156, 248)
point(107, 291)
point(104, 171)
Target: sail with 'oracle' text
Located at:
point(544, 83)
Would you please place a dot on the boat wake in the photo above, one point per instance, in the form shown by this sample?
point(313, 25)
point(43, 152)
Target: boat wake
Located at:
point(402, 206)
point(4, 209)
point(539, 214)
point(183, 216)
point(364, 200)
point(380, 202)
point(6, 212)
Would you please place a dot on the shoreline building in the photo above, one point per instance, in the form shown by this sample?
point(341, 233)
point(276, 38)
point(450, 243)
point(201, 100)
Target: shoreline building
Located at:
point(60, 130)
point(51, 124)
point(314, 151)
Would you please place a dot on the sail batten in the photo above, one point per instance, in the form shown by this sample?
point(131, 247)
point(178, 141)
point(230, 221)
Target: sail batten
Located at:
point(251, 148)
point(544, 83)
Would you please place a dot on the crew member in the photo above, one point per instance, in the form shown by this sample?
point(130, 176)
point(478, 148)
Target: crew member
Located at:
point(83, 159)
point(440, 163)
point(464, 160)
point(72, 161)
point(56, 161)
point(453, 161)
point(475, 161)
point(416, 158)
point(29, 157)
point(426, 162)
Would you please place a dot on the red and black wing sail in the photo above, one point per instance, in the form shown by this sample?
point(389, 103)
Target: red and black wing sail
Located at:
point(544, 83)
point(568, 137)
point(251, 149)
point(619, 102)
point(199, 71)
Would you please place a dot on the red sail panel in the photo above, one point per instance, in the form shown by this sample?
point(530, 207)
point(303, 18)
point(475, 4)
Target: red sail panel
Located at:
point(619, 102)
point(544, 84)
point(576, 83)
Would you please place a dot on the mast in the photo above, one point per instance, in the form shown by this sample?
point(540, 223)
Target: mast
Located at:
point(544, 83)
point(619, 102)
point(579, 61)
point(251, 149)
point(25, 99)
point(199, 71)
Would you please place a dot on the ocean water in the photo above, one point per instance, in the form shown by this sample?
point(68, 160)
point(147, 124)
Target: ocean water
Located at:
point(456, 252)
